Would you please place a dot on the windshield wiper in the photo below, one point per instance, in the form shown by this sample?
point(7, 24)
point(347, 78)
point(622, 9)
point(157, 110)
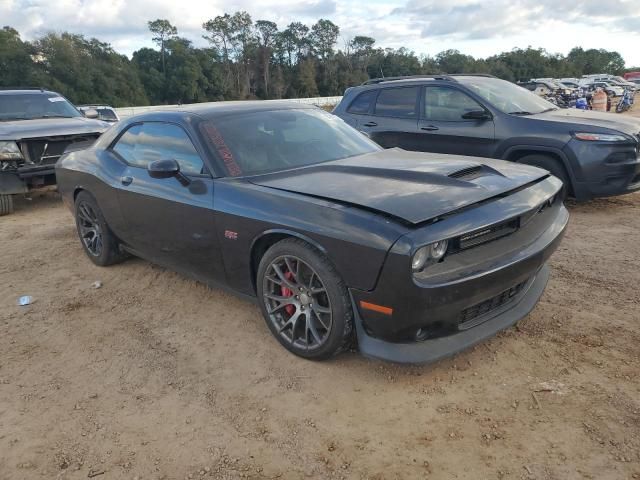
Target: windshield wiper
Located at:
point(551, 109)
point(52, 116)
point(520, 113)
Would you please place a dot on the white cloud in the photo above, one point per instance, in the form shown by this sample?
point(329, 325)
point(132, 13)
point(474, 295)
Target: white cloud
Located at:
point(480, 28)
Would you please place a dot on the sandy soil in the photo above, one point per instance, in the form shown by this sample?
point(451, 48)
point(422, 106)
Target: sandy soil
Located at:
point(154, 376)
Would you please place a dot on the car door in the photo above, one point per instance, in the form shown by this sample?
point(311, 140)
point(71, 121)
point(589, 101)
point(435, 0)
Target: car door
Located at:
point(443, 128)
point(393, 117)
point(170, 220)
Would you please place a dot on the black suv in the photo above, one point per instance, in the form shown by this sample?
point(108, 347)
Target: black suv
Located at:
point(595, 154)
point(36, 126)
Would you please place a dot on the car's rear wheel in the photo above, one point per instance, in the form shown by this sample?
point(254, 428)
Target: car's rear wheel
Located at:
point(98, 241)
point(6, 204)
point(304, 300)
point(552, 165)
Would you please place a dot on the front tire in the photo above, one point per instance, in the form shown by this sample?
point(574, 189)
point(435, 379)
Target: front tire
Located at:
point(98, 241)
point(6, 204)
point(553, 166)
point(304, 300)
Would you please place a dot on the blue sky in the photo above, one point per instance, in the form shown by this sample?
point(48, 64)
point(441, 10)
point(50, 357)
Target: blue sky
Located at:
point(480, 28)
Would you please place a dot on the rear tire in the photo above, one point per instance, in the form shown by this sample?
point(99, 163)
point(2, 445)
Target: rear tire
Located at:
point(553, 166)
point(304, 300)
point(97, 239)
point(6, 204)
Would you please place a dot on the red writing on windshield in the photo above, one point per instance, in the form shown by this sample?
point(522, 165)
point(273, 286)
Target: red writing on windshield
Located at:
point(227, 157)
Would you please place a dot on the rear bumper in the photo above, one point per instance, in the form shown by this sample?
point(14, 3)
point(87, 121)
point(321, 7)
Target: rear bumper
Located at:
point(435, 349)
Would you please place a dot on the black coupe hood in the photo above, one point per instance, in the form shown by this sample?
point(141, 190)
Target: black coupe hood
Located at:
point(412, 186)
point(50, 127)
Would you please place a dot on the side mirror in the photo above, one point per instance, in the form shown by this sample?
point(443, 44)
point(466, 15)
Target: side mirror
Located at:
point(90, 113)
point(477, 115)
point(163, 169)
point(167, 169)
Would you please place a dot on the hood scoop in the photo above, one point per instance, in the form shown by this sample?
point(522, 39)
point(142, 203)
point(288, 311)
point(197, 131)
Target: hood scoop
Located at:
point(467, 173)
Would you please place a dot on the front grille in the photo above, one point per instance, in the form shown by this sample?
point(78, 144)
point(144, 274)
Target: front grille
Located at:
point(469, 314)
point(46, 151)
point(488, 234)
point(499, 230)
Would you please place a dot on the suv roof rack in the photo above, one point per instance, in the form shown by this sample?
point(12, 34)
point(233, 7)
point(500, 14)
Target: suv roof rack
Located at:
point(444, 76)
point(41, 89)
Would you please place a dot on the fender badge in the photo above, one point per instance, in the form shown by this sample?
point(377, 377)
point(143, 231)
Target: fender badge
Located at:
point(230, 235)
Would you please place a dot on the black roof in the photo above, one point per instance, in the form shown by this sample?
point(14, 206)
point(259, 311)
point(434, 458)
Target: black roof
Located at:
point(213, 109)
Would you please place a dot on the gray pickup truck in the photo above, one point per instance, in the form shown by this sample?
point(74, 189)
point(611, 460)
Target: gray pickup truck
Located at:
point(36, 127)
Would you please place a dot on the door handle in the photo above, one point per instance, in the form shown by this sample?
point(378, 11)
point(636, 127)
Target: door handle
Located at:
point(429, 128)
point(126, 181)
point(370, 124)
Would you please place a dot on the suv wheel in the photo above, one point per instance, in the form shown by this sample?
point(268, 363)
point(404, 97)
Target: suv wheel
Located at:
point(553, 166)
point(6, 204)
point(304, 301)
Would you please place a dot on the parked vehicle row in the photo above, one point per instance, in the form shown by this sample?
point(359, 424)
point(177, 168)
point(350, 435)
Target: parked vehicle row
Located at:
point(415, 240)
point(578, 92)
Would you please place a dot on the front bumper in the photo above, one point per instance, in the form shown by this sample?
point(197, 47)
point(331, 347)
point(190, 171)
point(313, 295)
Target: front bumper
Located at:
point(435, 349)
point(603, 169)
point(473, 294)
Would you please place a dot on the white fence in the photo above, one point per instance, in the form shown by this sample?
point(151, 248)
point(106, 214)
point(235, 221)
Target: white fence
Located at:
point(126, 112)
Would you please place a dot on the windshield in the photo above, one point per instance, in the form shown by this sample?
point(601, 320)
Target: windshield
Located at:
point(506, 96)
point(275, 140)
point(27, 106)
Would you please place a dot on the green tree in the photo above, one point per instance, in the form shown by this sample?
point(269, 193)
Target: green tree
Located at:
point(163, 31)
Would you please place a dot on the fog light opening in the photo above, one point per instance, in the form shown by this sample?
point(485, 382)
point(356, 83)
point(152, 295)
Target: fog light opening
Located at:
point(421, 334)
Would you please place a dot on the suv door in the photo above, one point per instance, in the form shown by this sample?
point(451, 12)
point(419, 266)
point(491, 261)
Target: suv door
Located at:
point(393, 118)
point(443, 128)
point(167, 221)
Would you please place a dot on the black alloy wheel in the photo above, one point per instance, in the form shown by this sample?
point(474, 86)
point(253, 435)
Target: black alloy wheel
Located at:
point(98, 241)
point(304, 300)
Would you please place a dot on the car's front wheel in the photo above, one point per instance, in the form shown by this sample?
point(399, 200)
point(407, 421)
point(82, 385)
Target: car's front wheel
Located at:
point(304, 300)
point(98, 241)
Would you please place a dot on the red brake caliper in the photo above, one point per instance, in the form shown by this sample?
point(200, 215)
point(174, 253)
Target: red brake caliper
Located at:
point(287, 292)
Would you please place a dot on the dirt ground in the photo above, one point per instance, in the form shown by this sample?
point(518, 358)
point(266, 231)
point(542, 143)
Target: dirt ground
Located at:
point(154, 376)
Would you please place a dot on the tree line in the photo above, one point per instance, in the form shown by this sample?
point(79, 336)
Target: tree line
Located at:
point(247, 59)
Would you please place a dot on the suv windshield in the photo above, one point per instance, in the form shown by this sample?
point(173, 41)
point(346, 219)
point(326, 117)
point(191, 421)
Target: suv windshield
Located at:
point(275, 140)
point(27, 106)
point(506, 96)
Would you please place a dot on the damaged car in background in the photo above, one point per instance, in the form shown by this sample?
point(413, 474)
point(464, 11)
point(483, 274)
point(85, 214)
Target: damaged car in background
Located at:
point(36, 127)
point(414, 255)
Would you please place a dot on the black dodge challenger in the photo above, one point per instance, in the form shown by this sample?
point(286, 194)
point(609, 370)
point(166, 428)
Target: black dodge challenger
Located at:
point(415, 255)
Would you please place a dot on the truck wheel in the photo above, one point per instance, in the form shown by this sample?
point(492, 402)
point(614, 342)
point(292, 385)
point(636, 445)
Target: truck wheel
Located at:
point(553, 166)
point(6, 204)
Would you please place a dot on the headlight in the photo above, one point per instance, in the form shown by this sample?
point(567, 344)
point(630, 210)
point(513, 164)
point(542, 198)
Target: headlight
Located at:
point(428, 254)
point(600, 137)
point(10, 151)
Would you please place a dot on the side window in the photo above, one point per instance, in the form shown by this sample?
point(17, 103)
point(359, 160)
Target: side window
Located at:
point(447, 104)
point(142, 144)
point(362, 103)
point(397, 102)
